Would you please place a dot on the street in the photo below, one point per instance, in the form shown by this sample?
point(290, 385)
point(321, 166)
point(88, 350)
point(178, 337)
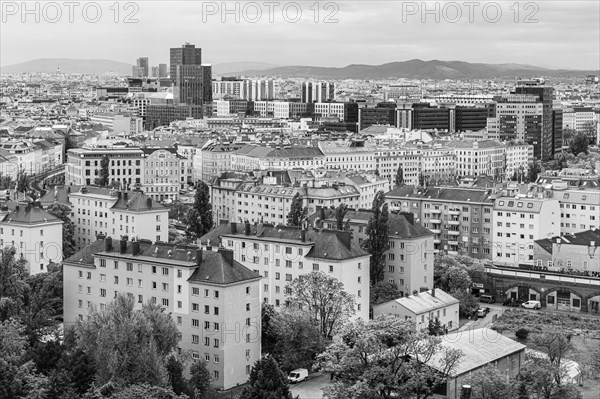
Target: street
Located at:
point(311, 388)
point(496, 309)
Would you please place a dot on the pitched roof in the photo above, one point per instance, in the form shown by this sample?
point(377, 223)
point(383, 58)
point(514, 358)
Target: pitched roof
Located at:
point(424, 301)
point(479, 347)
point(137, 201)
point(450, 194)
point(325, 244)
point(30, 214)
point(582, 238)
point(216, 268)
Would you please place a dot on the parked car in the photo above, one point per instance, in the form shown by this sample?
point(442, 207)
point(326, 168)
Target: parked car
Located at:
point(487, 298)
point(298, 375)
point(482, 312)
point(531, 305)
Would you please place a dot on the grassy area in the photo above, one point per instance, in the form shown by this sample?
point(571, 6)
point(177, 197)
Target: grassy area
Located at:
point(540, 322)
point(585, 331)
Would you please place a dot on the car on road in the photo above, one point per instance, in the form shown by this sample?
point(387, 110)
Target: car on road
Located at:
point(487, 298)
point(482, 312)
point(298, 375)
point(531, 305)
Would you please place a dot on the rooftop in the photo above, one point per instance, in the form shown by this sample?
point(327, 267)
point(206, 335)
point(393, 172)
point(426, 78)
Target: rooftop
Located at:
point(29, 214)
point(425, 301)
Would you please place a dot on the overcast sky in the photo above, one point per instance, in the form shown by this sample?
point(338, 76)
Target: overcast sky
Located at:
point(566, 34)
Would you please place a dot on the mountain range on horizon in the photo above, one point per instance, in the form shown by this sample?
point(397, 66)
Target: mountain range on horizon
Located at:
point(412, 69)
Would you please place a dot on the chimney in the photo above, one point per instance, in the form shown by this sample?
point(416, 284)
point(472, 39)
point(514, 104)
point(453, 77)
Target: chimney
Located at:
point(227, 254)
point(118, 195)
point(135, 247)
point(108, 244)
point(322, 213)
point(122, 245)
point(125, 196)
point(247, 228)
point(233, 228)
point(415, 292)
point(198, 256)
point(433, 292)
point(303, 235)
point(149, 202)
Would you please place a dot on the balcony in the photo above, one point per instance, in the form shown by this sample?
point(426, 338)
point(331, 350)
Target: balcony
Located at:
point(436, 231)
point(453, 222)
point(453, 232)
point(437, 241)
point(454, 212)
point(454, 253)
point(454, 243)
point(435, 221)
point(436, 211)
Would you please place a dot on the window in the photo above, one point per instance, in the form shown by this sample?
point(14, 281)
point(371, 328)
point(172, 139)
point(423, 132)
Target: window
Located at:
point(165, 271)
point(129, 266)
point(206, 309)
point(247, 307)
point(216, 310)
point(216, 343)
point(102, 292)
point(195, 339)
point(216, 373)
point(216, 359)
point(206, 341)
point(247, 290)
point(116, 264)
point(315, 266)
point(165, 302)
point(216, 294)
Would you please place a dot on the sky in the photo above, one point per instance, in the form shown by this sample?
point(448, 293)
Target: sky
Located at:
point(547, 33)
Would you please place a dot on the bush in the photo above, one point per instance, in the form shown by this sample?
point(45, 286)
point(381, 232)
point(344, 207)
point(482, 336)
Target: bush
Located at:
point(522, 333)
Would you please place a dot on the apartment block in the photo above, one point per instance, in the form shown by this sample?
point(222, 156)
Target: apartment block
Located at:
point(353, 155)
point(195, 287)
point(83, 165)
point(460, 218)
point(97, 210)
point(475, 158)
point(35, 235)
point(518, 222)
point(281, 254)
point(409, 259)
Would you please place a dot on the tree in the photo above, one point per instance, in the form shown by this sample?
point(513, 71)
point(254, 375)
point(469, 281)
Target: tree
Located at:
point(422, 181)
point(199, 379)
point(146, 391)
point(297, 211)
point(556, 346)
point(129, 346)
point(579, 144)
point(435, 327)
point(377, 237)
point(266, 381)
point(382, 292)
point(340, 213)
point(22, 184)
point(533, 170)
point(18, 377)
point(399, 180)
point(299, 340)
point(268, 335)
point(386, 357)
point(323, 299)
point(490, 383)
point(104, 178)
point(42, 300)
point(174, 367)
point(537, 379)
point(199, 218)
point(63, 212)
point(13, 274)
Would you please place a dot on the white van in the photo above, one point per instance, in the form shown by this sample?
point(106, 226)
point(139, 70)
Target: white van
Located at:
point(532, 305)
point(298, 375)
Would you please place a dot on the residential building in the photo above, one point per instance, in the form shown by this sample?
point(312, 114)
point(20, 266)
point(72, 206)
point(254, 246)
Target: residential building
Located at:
point(99, 210)
point(317, 92)
point(35, 235)
point(518, 158)
point(164, 173)
point(281, 254)
point(352, 155)
point(84, 165)
point(409, 258)
point(579, 209)
point(459, 218)
point(423, 308)
point(518, 222)
point(474, 158)
point(195, 287)
point(267, 158)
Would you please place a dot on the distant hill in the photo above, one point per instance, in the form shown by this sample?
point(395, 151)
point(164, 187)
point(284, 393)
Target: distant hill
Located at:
point(414, 69)
point(67, 65)
point(229, 67)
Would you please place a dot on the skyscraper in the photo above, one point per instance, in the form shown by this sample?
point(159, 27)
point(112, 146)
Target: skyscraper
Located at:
point(543, 144)
point(188, 84)
point(188, 54)
point(318, 92)
point(141, 68)
point(162, 70)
